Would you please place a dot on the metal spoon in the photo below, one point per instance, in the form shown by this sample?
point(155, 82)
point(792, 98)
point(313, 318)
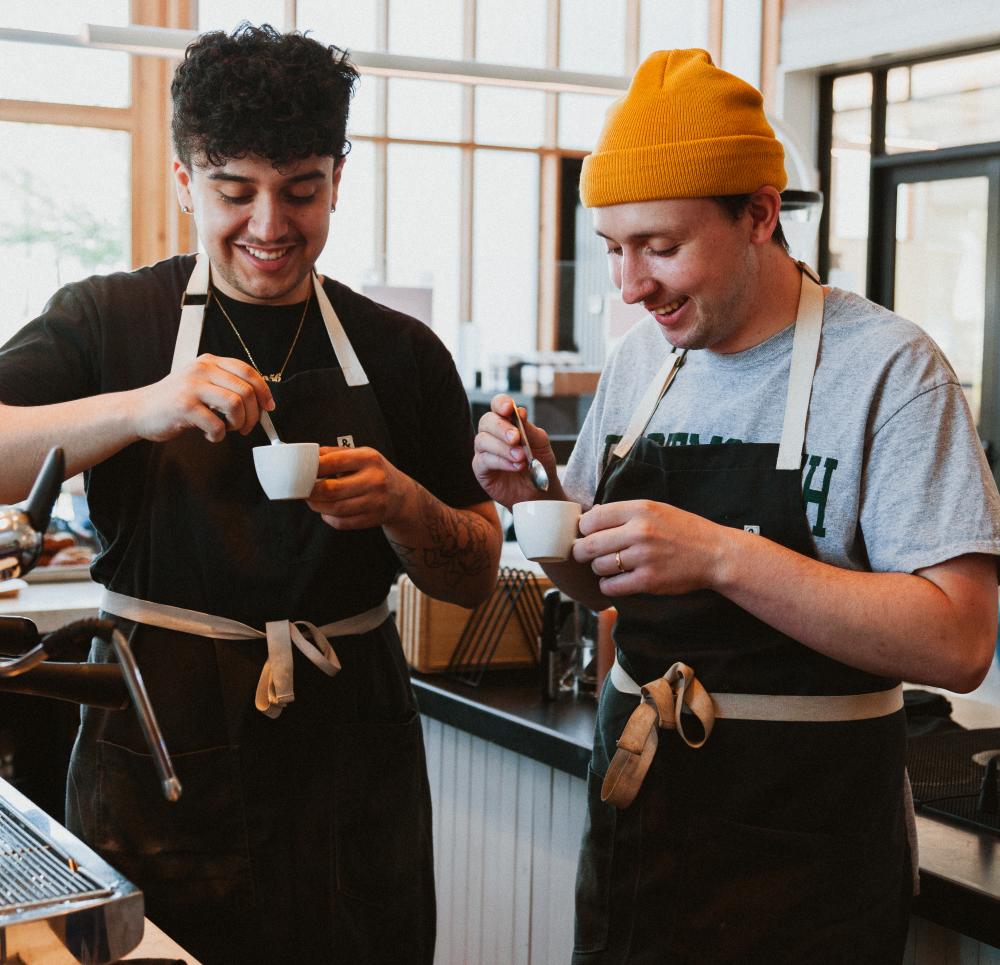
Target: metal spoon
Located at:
point(535, 469)
point(268, 426)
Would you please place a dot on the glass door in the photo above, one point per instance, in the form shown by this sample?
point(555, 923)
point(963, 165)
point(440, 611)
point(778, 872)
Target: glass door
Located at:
point(935, 263)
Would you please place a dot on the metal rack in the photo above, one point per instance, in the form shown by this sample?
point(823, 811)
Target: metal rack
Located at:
point(518, 595)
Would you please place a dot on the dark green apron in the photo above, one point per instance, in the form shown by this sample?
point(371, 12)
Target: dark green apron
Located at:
point(775, 842)
point(305, 838)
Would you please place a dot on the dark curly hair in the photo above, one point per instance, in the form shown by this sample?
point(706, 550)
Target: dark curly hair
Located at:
point(283, 97)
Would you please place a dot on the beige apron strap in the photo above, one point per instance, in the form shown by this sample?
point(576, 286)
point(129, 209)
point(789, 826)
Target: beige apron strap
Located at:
point(193, 319)
point(785, 708)
point(805, 351)
point(354, 374)
point(192, 316)
point(275, 688)
point(655, 392)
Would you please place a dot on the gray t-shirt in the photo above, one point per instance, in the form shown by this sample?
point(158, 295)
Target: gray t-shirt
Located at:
point(894, 479)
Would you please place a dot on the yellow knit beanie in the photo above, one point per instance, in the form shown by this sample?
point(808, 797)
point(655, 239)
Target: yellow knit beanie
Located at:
point(685, 129)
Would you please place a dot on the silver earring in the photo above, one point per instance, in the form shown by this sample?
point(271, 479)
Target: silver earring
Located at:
point(333, 208)
point(185, 209)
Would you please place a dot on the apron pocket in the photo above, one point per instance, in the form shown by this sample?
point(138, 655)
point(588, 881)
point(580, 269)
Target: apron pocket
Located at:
point(748, 893)
point(382, 815)
point(196, 845)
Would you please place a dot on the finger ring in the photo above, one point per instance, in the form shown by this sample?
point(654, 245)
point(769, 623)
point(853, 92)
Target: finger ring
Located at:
point(618, 561)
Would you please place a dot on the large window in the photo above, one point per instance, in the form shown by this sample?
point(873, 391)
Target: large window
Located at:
point(453, 185)
point(59, 221)
point(84, 153)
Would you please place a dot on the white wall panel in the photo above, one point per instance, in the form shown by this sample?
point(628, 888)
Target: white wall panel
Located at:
point(820, 33)
point(506, 837)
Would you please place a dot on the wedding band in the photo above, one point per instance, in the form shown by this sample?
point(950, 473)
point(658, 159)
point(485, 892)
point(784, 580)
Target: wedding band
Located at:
point(618, 561)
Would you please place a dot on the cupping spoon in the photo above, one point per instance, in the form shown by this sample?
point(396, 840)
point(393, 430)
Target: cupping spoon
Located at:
point(535, 469)
point(268, 426)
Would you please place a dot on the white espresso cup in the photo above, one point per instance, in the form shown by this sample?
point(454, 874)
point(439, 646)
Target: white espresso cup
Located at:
point(287, 470)
point(546, 529)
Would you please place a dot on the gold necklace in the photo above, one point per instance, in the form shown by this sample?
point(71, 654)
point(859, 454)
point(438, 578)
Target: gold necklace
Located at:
point(275, 377)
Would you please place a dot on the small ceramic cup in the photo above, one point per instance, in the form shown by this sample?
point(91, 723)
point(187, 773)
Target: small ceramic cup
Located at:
point(546, 529)
point(287, 470)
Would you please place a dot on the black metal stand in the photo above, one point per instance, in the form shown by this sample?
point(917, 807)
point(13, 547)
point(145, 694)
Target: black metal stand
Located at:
point(517, 594)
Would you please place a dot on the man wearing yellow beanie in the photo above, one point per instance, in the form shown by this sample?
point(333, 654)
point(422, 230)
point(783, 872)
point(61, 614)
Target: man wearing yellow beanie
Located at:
point(781, 535)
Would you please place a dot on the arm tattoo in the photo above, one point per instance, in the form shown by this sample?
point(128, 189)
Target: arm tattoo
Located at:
point(458, 542)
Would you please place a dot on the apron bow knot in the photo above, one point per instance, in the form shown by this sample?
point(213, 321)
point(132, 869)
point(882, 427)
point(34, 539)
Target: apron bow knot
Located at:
point(274, 688)
point(663, 702)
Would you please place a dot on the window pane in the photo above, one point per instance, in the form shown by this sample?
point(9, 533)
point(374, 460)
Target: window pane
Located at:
point(64, 75)
point(497, 20)
point(941, 269)
point(364, 106)
point(679, 23)
point(944, 103)
point(64, 16)
point(424, 227)
point(854, 90)
point(426, 28)
point(592, 36)
point(581, 117)
point(51, 232)
point(349, 255)
point(228, 14)
point(505, 260)
point(508, 116)
point(850, 165)
point(350, 24)
point(425, 109)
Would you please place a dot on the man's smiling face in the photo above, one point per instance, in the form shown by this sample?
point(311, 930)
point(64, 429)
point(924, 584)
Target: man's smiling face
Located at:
point(262, 227)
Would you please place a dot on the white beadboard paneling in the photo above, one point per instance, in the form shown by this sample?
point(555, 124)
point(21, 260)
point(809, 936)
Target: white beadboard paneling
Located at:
point(479, 790)
point(523, 841)
point(541, 863)
point(507, 831)
point(455, 922)
point(501, 900)
point(445, 843)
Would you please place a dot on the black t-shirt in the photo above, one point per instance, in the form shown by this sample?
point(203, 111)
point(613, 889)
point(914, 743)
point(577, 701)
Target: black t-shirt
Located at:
point(117, 332)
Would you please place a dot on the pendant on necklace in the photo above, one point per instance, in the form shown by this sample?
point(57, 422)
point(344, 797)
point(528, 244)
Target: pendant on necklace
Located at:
point(273, 378)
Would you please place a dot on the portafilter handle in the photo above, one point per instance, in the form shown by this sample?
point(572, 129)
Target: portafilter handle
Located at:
point(22, 528)
point(147, 719)
point(59, 640)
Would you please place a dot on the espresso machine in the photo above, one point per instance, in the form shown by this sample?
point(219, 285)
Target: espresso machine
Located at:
point(59, 901)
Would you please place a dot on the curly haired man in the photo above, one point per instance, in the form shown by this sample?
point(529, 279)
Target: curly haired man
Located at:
point(303, 832)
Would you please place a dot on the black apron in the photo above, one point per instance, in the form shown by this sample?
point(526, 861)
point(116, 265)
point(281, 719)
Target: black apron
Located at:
point(305, 838)
point(774, 842)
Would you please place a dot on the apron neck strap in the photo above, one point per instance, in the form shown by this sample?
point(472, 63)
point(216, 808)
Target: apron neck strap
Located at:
point(805, 350)
point(655, 391)
point(193, 318)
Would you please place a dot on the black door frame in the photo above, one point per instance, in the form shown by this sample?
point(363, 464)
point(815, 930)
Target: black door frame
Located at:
point(890, 171)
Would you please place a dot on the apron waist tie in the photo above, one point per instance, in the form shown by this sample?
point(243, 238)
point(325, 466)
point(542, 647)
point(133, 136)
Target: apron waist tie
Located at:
point(664, 700)
point(275, 687)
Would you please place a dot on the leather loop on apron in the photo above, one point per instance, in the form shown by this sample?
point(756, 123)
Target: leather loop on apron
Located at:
point(663, 700)
point(275, 688)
